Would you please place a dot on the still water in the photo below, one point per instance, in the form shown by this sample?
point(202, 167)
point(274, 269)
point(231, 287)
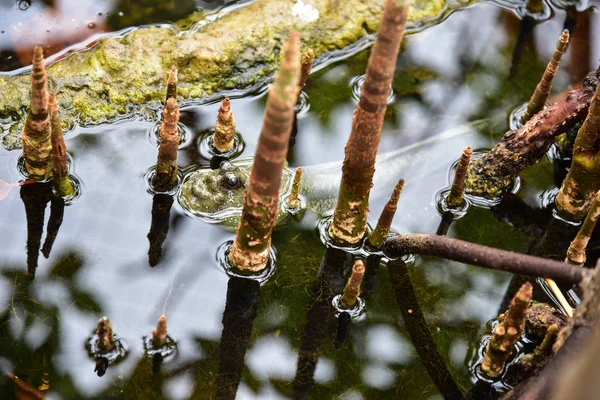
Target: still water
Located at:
point(480, 62)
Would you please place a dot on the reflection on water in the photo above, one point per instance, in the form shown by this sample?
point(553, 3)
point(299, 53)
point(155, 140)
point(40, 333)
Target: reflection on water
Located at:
point(275, 340)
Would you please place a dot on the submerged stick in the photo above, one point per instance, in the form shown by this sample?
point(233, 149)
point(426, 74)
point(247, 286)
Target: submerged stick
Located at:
point(352, 289)
point(542, 90)
point(377, 238)
point(483, 256)
point(350, 216)
point(60, 175)
point(165, 176)
point(491, 175)
point(507, 333)
point(455, 198)
point(250, 250)
point(224, 136)
point(579, 188)
point(37, 145)
point(576, 251)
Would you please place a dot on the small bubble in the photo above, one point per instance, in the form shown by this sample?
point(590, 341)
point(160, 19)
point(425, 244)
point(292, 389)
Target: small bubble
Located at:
point(92, 25)
point(24, 5)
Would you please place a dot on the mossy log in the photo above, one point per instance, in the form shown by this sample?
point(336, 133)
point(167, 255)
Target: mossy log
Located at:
point(236, 48)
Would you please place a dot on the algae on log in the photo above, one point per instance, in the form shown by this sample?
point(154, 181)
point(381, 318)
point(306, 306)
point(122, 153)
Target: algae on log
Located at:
point(232, 49)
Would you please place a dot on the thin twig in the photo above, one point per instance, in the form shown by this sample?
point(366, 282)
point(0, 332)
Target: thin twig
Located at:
point(483, 256)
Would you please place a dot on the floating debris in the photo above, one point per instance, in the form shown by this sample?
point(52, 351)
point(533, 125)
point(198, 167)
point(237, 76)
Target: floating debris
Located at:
point(60, 175)
point(455, 197)
point(507, 333)
point(576, 251)
point(579, 188)
point(349, 222)
point(377, 238)
point(542, 90)
point(36, 134)
point(223, 139)
point(293, 201)
point(250, 250)
point(165, 176)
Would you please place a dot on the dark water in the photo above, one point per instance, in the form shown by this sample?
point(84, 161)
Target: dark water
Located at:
point(463, 69)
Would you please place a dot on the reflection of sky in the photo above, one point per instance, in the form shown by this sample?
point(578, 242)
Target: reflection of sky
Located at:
point(107, 227)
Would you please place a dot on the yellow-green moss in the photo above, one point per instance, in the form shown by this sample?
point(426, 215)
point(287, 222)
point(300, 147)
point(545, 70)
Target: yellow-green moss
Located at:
point(234, 51)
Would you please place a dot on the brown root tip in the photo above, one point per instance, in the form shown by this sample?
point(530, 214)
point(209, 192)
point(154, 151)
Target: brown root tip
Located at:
point(455, 197)
point(38, 51)
point(377, 238)
point(352, 289)
point(306, 61)
point(226, 104)
point(172, 75)
point(293, 198)
point(397, 190)
point(52, 103)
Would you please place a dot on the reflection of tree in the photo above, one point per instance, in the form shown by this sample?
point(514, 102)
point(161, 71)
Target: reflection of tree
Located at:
point(36, 364)
point(32, 366)
point(127, 13)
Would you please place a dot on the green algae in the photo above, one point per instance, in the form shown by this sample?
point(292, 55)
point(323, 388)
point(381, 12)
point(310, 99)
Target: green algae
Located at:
point(228, 50)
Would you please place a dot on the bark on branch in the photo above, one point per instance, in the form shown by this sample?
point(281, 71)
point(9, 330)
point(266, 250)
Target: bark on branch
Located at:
point(483, 256)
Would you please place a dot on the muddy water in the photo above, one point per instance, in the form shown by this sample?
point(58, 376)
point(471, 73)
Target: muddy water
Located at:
point(468, 67)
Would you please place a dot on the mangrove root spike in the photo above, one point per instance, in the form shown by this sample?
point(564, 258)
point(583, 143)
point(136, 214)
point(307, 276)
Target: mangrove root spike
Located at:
point(224, 136)
point(250, 250)
point(349, 222)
